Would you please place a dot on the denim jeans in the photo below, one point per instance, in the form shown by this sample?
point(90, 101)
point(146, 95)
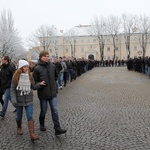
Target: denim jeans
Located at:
point(53, 106)
point(70, 74)
point(60, 78)
point(6, 101)
point(146, 69)
point(29, 112)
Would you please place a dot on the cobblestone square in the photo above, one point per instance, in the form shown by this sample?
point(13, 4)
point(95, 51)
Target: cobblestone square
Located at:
point(106, 108)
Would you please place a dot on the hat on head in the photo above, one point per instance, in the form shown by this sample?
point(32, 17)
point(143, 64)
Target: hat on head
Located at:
point(22, 63)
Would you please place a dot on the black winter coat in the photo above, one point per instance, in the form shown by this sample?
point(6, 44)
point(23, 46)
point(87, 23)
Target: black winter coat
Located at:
point(46, 72)
point(6, 75)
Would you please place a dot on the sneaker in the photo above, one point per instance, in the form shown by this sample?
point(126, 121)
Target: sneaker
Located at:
point(60, 87)
point(1, 114)
point(42, 128)
point(60, 131)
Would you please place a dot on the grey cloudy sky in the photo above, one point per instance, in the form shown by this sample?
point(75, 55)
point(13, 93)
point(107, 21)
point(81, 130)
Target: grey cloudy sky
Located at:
point(65, 14)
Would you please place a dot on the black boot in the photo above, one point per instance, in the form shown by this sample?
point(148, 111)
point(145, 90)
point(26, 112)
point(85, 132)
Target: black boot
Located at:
point(59, 131)
point(42, 128)
point(42, 123)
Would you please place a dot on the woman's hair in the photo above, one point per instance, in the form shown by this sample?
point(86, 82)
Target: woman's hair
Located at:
point(17, 74)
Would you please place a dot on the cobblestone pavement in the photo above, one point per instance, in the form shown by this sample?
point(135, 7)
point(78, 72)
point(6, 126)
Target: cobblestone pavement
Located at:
point(104, 109)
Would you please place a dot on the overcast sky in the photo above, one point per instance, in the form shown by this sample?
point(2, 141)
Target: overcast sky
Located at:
point(64, 14)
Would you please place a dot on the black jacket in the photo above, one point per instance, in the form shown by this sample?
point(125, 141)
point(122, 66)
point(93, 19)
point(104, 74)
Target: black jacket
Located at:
point(6, 75)
point(46, 72)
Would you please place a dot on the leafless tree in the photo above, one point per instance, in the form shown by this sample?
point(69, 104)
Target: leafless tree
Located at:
point(69, 37)
point(99, 30)
point(129, 23)
point(144, 28)
point(10, 42)
point(42, 38)
point(113, 30)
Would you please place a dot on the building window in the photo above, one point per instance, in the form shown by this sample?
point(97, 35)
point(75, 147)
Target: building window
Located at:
point(135, 38)
point(66, 50)
point(116, 48)
point(91, 46)
point(88, 41)
point(108, 57)
point(82, 41)
point(116, 57)
point(51, 50)
point(135, 47)
point(94, 40)
point(82, 49)
point(108, 40)
point(108, 48)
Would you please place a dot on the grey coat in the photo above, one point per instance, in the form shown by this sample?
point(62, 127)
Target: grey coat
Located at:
point(22, 100)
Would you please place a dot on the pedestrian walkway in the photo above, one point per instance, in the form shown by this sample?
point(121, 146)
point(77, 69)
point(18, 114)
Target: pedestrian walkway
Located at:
point(107, 108)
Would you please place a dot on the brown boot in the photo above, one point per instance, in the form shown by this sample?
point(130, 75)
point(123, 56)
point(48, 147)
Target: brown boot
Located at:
point(19, 127)
point(31, 130)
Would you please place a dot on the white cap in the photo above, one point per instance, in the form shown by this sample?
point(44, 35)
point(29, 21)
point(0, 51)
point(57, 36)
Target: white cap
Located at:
point(22, 63)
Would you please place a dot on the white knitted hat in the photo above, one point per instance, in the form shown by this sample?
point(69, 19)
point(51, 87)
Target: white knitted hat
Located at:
point(22, 63)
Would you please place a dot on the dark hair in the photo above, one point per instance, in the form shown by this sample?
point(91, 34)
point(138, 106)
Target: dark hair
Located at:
point(60, 57)
point(43, 53)
point(6, 58)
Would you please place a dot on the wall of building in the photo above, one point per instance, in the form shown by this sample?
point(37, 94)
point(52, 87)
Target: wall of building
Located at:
point(83, 46)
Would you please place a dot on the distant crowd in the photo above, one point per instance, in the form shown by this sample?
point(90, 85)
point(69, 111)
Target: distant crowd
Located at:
point(139, 64)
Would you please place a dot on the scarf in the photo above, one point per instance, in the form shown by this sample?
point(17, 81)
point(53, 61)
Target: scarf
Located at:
point(24, 84)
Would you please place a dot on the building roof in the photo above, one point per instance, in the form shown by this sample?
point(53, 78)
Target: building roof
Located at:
point(80, 30)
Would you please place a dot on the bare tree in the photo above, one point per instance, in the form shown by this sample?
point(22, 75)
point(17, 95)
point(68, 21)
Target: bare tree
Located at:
point(70, 38)
point(10, 41)
point(42, 38)
point(144, 28)
point(129, 23)
point(113, 29)
point(99, 30)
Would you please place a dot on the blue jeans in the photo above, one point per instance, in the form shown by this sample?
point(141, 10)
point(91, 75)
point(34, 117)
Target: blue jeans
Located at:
point(29, 112)
point(60, 78)
point(70, 74)
point(146, 69)
point(54, 112)
point(6, 101)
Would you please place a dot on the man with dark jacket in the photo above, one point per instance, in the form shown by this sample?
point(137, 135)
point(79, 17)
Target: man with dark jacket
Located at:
point(6, 75)
point(46, 71)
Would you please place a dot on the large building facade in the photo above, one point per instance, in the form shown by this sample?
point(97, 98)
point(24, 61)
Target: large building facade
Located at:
point(87, 46)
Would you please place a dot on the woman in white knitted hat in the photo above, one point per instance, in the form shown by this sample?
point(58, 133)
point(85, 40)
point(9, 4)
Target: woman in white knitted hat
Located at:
point(22, 96)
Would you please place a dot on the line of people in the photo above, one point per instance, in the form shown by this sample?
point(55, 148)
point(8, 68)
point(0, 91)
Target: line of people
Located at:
point(17, 85)
point(139, 64)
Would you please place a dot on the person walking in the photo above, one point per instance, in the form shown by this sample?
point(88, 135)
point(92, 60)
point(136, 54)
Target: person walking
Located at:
point(61, 74)
point(6, 75)
point(22, 96)
point(46, 71)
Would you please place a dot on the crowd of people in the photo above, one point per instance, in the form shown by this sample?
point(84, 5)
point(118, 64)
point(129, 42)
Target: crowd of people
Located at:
point(17, 83)
point(139, 64)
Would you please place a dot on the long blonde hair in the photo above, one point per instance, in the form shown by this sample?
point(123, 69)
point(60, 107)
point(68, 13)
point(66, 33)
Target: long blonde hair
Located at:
point(17, 74)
